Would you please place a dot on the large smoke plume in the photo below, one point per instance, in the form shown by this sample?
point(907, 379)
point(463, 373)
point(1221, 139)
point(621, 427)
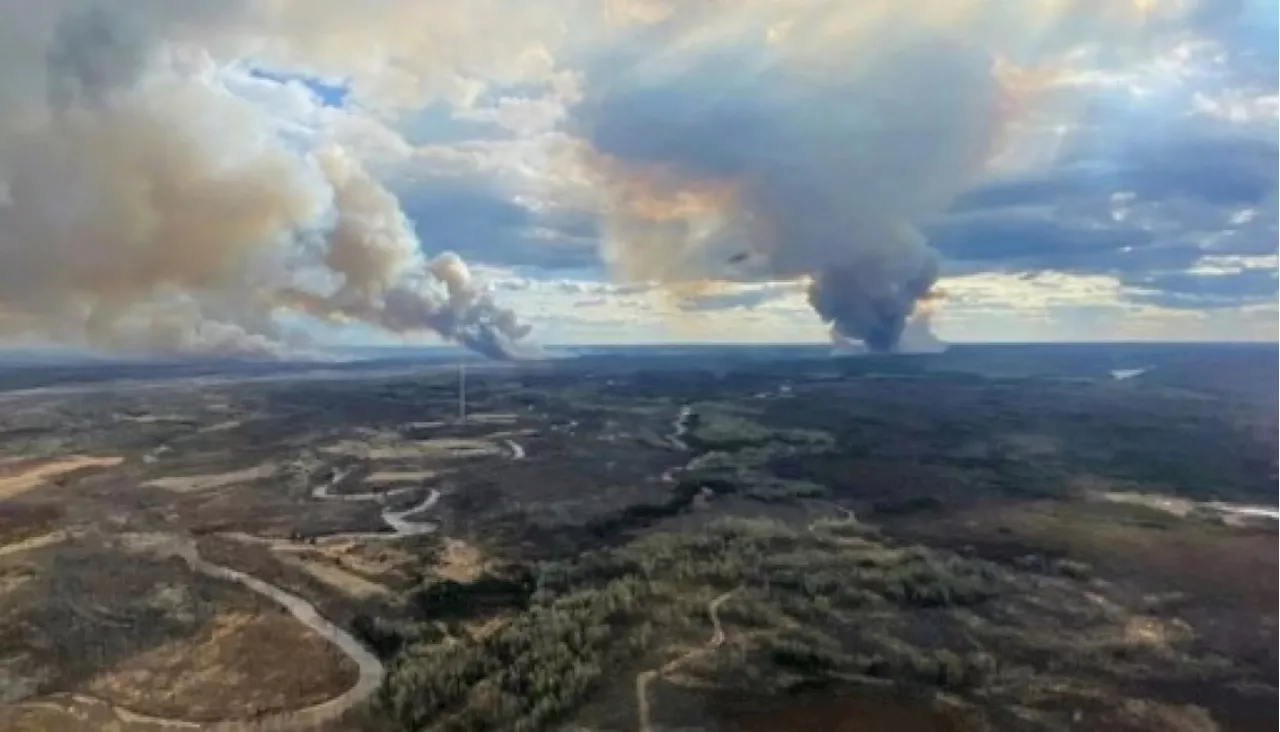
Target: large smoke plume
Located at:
point(753, 147)
point(144, 208)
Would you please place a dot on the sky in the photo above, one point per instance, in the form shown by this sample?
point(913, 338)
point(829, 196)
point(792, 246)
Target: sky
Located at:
point(621, 171)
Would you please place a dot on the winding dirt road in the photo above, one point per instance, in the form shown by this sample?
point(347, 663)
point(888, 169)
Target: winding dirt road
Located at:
point(644, 678)
point(371, 670)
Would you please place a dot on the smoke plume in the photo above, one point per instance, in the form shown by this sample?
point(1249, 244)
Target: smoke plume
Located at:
point(755, 148)
point(144, 208)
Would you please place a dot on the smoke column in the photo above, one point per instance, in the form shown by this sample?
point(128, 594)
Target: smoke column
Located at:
point(143, 208)
point(749, 147)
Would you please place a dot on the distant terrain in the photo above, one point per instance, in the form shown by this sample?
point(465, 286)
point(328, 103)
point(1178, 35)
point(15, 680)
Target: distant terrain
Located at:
point(690, 538)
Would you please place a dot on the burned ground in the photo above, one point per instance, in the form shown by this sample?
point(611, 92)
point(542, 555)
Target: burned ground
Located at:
point(615, 541)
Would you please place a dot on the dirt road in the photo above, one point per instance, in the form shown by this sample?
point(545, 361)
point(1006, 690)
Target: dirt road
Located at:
point(644, 678)
point(371, 669)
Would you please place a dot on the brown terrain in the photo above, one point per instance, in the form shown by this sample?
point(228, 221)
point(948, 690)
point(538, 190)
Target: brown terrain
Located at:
point(988, 539)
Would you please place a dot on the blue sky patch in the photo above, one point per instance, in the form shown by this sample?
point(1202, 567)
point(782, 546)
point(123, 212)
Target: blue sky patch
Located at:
point(329, 93)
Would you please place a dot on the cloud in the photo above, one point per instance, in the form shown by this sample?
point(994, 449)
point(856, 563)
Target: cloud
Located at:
point(815, 141)
point(1222, 170)
point(472, 215)
point(1143, 210)
point(597, 312)
point(148, 208)
point(1024, 239)
point(1207, 290)
point(164, 185)
point(729, 297)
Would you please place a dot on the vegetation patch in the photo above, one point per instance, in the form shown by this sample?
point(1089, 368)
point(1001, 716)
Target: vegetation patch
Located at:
point(611, 608)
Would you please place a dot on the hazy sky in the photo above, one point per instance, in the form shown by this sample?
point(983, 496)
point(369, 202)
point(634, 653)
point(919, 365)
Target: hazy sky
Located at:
point(654, 170)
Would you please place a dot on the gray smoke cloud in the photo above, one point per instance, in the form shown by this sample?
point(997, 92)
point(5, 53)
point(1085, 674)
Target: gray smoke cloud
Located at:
point(384, 282)
point(143, 208)
point(811, 140)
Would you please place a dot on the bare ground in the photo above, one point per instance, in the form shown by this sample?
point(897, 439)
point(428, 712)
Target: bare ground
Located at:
point(210, 481)
point(459, 561)
point(16, 479)
point(238, 667)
